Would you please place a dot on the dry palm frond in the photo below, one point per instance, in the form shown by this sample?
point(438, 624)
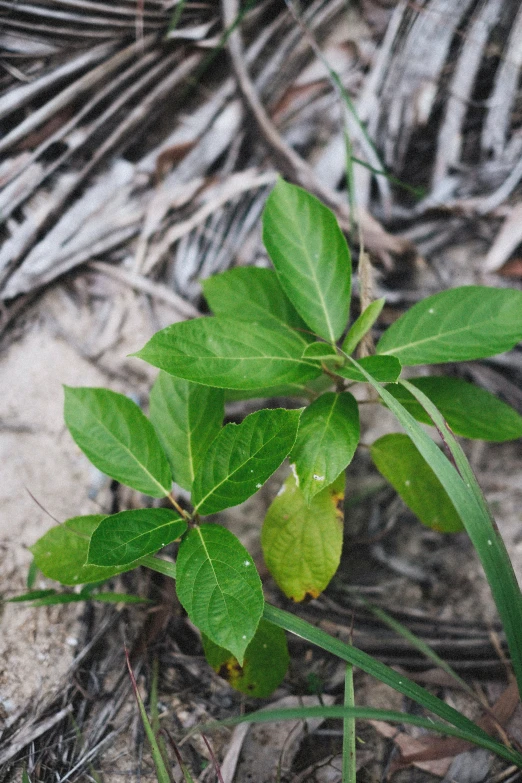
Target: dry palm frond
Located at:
point(79, 155)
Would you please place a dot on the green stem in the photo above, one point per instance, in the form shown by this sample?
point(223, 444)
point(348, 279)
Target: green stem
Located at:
point(159, 565)
point(349, 763)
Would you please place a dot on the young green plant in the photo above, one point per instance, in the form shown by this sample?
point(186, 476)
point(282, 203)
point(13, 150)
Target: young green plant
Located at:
point(285, 331)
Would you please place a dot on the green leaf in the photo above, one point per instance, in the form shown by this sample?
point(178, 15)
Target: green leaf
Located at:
point(187, 418)
point(61, 553)
point(397, 459)
point(229, 354)
point(302, 543)
point(326, 441)
point(104, 598)
point(118, 439)
point(310, 256)
point(32, 595)
point(469, 410)
point(52, 598)
point(219, 587)
point(265, 664)
point(253, 294)
point(123, 538)
point(298, 390)
point(242, 458)
point(470, 322)
point(385, 369)
point(362, 325)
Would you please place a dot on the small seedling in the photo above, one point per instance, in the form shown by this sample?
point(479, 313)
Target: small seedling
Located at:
point(286, 331)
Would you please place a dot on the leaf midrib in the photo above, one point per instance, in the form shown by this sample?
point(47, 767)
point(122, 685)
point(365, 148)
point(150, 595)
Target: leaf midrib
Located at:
point(406, 346)
point(318, 288)
point(130, 454)
point(228, 477)
point(142, 535)
point(217, 587)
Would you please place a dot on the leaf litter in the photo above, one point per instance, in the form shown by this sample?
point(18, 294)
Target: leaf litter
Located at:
point(123, 184)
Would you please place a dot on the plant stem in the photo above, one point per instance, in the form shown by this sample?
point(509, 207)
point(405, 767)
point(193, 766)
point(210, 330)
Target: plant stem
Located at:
point(178, 508)
point(349, 765)
point(159, 565)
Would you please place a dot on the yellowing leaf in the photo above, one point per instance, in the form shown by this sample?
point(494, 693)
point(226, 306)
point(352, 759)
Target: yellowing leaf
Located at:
point(399, 461)
point(265, 664)
point(302, 543)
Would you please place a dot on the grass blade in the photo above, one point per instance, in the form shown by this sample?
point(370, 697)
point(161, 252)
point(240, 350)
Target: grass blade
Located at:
point(380, 671)
point(458, 480)
point(161, 771)
point(486, 539)
point(349, 773)
point(369, 713)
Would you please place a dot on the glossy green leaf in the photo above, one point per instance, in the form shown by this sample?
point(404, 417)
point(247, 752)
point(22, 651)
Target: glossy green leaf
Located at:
point(469, 410)
point(253, 294)
point(229, 354)
point(123, 538)
point(187, 417)
point(397, 459)
point(470, 322)
point(326, 441)
point(310, 256)
point(302, 543)
point(61, 553)
point(385, 369)
point(117, 437)
point(219, 587)
point(264, 666)
point(242, 458)
point(362, 325)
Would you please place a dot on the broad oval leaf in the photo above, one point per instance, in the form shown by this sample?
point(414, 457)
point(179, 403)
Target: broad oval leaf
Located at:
point(61, 553)
point(362, 325)
point(469, 410)
point(187, 417)
point(385, 369)
point(242, 458)
point(117, 437)
point(229, 354)
point(253, 294)
point(218, 585)
point(264, 666)
point(123, 538)
point(310, 256)
point(398, 460)
point(302, 543)
point(326, 441)
point(470, 322)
